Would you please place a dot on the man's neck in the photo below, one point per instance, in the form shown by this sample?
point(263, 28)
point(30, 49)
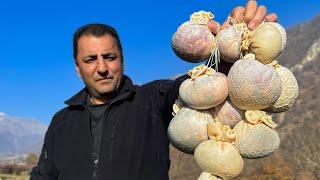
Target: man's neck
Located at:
point(102, 99)
point(98, 101)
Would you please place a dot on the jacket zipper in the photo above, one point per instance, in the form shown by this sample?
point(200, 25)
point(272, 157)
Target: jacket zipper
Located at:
point(93, 156)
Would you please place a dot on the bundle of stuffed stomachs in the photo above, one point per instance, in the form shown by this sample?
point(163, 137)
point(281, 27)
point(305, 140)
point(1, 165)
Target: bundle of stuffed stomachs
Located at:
point(222, 119)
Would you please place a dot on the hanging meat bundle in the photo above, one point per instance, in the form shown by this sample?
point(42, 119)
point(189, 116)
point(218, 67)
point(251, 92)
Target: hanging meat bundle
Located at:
point(221, 119)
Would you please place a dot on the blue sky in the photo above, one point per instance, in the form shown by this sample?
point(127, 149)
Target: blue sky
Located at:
point(36, 65)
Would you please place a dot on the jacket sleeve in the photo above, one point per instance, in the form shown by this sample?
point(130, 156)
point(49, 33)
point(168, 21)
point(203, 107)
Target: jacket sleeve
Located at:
point(169, 92)
point(45, 169)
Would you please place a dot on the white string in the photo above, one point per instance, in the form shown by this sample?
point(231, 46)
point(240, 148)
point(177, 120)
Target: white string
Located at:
point(214, 60)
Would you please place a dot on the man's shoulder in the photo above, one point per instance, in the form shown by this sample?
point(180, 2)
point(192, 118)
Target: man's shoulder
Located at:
point(58, 117)
point(155, 83)
point(152, 86)
point(164, 84)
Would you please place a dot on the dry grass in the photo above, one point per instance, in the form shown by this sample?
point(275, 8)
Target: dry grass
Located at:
point(13, 177)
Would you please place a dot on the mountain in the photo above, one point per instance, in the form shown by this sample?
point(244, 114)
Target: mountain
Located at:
point(20, 135)
point(299, 128)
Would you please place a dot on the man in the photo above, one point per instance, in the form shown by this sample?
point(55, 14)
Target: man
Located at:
point(113, 129)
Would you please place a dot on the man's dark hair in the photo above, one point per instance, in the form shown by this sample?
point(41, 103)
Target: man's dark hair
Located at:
point(96, 30)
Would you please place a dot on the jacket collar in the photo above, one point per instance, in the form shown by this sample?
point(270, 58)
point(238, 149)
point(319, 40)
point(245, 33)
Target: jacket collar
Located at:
point(126, 91)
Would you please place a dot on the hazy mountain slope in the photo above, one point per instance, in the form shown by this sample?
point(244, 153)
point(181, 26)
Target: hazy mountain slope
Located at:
point(18, 135)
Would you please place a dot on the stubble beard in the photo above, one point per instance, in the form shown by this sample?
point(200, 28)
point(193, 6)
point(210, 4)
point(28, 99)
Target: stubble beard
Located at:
point(107, 95)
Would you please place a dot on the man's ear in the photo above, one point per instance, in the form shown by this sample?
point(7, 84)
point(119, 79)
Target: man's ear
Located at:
point(78, 70)
point(122, 67)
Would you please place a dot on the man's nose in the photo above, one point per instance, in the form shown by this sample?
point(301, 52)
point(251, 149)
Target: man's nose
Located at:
point(102, 66)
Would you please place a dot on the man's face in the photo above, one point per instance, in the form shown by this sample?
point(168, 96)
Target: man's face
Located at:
point(99, 63)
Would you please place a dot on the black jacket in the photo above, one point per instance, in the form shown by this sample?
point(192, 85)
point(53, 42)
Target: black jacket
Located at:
point(134, 143)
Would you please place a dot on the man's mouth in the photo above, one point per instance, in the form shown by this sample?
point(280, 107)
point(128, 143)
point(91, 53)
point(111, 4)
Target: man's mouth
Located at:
point(105, 79)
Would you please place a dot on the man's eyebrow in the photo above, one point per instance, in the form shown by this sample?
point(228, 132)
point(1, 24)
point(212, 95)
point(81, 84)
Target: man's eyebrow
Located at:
point(108, 54)
point(90, 56)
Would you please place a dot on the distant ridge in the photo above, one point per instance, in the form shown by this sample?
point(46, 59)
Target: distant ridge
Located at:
point(20, 135)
